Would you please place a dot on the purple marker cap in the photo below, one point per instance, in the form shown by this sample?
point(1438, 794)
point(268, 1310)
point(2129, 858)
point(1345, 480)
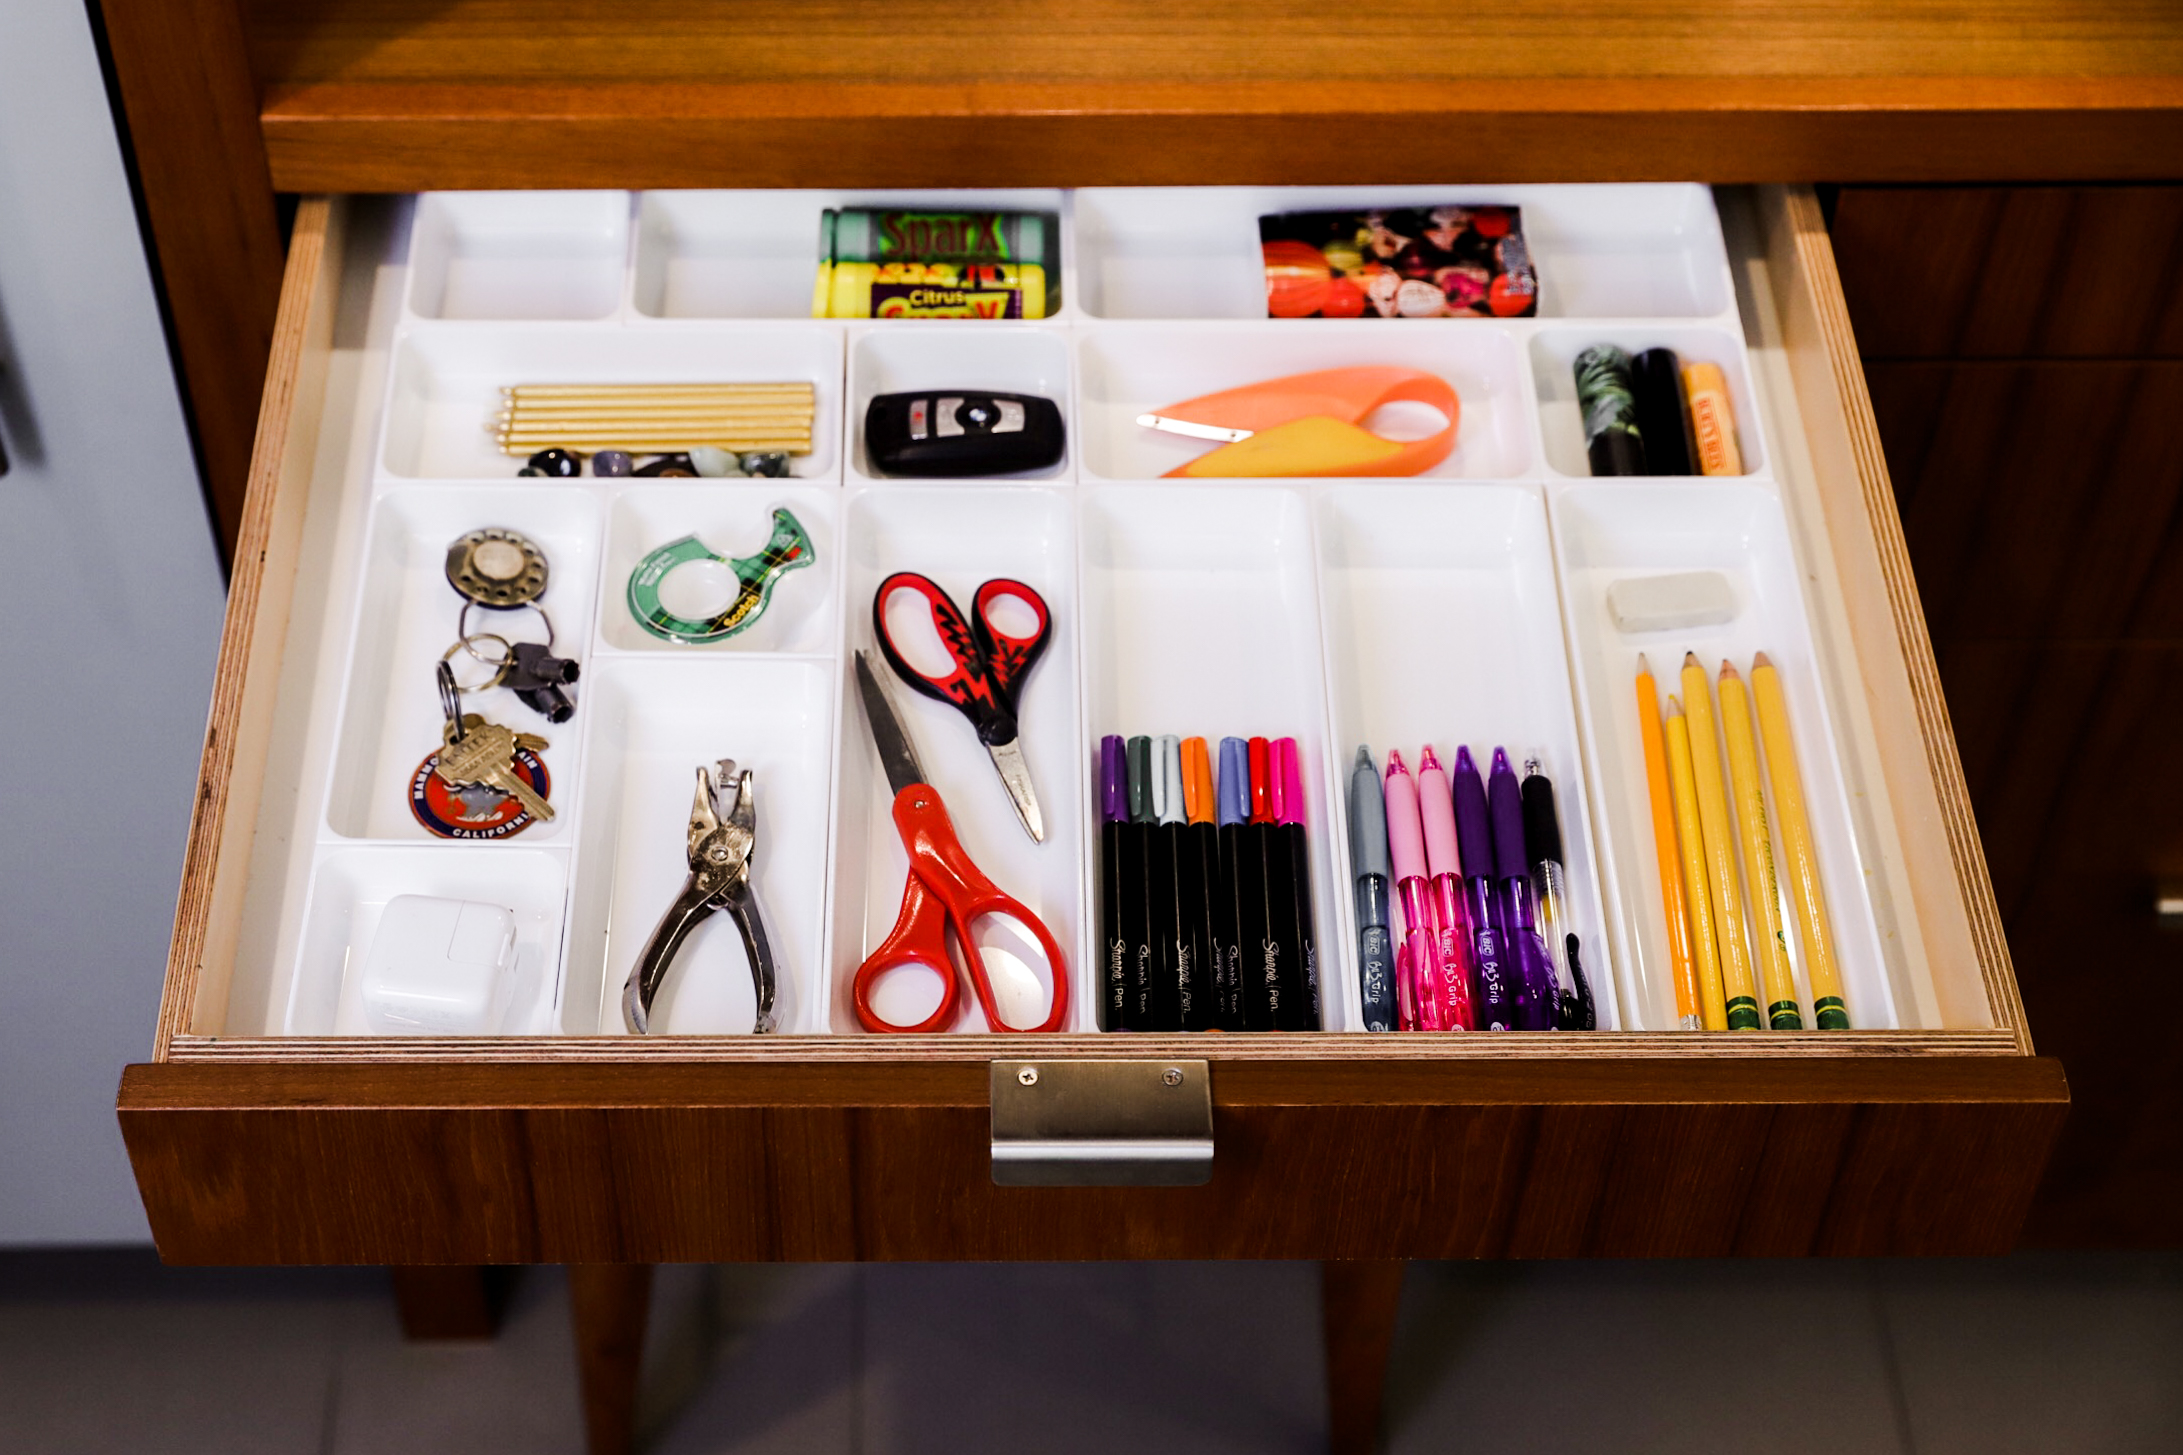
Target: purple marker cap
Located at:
point(1234, 795)
point(1507, 796)
point(1113, 780)
point(1472, 839)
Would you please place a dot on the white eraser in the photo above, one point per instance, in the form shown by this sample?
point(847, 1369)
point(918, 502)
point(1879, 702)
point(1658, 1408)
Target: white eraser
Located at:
point(1664, 603)
point(442, 967)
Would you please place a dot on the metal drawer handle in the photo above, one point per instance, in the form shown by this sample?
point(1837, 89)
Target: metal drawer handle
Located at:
point(1081, 1123)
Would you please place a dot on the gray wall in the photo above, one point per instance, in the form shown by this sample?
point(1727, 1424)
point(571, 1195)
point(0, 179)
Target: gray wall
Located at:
point(110, 600)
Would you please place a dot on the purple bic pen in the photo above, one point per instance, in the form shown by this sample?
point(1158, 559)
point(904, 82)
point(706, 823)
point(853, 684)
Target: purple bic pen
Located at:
point(1521, 947)
point(1494, 996)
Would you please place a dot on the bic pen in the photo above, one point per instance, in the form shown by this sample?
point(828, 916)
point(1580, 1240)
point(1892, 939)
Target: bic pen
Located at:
point(1144, 970)
point(1240, 868)
point(1114, 898)
point(1495, 972)
point(1264, 981)
point(1574, 1008)
point(1199, 883)
point(1417, 961)
point(1368, 859)
point(1444, 881)
point(1300, 1000)
point(1535, 989)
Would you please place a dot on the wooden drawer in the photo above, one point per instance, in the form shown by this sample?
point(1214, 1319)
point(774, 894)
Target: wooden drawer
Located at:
point(251, 1147)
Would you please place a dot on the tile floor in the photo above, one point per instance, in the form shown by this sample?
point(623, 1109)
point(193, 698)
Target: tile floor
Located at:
point(105, 1351)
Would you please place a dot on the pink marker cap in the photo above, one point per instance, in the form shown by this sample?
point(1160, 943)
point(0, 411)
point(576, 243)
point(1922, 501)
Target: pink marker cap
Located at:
point(1290, 806)
point(1436, 806)
point(1405, 835)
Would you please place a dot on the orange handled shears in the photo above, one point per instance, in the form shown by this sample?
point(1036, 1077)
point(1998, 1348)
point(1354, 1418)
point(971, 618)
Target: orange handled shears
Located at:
point(1311, 424)
point(945, 892)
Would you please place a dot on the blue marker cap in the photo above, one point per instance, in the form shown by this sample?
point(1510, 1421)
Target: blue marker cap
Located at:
point(1235, 780)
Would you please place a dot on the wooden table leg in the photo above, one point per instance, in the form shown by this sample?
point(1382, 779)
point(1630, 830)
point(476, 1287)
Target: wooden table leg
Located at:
point(1358, 1302)
point(607, 1306)
point(452, 1302)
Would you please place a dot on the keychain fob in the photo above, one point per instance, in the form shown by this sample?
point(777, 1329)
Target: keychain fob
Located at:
point(959, 433)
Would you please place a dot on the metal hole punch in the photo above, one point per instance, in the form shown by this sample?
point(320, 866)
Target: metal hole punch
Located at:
point(723, 838)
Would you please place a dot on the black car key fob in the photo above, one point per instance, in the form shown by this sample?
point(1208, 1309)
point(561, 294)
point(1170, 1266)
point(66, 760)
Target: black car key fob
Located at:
point(961, 433)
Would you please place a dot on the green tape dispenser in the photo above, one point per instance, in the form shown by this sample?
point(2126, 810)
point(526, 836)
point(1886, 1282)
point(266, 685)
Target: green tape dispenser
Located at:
point(754, 578)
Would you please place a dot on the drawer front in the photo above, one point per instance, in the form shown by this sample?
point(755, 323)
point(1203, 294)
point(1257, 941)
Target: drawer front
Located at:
point(1926, 1135)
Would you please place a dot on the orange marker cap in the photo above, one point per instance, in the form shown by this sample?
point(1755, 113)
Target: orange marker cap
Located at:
point(1197, 781)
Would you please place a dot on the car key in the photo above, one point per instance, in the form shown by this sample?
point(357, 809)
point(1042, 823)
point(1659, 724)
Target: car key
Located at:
point(536, 677)
point(962, 432)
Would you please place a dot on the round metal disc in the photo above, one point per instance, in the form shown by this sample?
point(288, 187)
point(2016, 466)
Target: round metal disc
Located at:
point(496, 568)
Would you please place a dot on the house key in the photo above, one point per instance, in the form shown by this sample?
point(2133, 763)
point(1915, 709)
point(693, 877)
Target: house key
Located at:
point(481, 754)
point(444, 792)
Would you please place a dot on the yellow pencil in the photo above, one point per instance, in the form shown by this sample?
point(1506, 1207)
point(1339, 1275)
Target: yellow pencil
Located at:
point(1769, 935)
point(1807, 897)
point(1712, 999)
point(1720, 851)
point(1680, 966)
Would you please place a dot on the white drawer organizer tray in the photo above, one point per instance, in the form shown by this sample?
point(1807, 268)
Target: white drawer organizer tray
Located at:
point(1466, 606)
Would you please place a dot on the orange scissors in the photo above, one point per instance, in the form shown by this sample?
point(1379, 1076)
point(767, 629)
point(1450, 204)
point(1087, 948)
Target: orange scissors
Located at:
point(945, 891)
point(1312, 424)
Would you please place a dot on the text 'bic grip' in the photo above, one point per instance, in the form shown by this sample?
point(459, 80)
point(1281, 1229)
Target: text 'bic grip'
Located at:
point(1072, 1123)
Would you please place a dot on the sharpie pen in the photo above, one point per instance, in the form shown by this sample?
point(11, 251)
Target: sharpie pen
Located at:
point(1161, 840)
point(1495, 974)
point(1368, 860)
point(1521, 945)
point(1242, 878)
point(1574, 1009)
point(1182, 966)
point(1268, 974)
point(1144, 976)
point(1291, 828)
point(1417, 960)
point(1444, 880)
point(1118, 902)
point(1199, 883)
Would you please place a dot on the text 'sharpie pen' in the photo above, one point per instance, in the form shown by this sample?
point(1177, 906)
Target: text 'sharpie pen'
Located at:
point(1182, 962)
point(1675, 911)
point(1163, 999)
point(1270, 974)
point(1720, 850)
point(1768, 932)
point(1536, 993)
point(1368, 860)
point(1705, 947)
point(1302, 999)
point(1145, 954)
point(1115, 895)
point(1444, 885)
point(1494, 988)
point(1200, 880)
point(1807, 896)
point(1417, 960)
point(1242, 880)
point(1575, 1010)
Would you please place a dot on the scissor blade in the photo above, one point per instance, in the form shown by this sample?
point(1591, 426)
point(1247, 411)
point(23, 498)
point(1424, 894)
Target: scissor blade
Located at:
point(1016, 778)
point(1196, 431)
point(889, 736)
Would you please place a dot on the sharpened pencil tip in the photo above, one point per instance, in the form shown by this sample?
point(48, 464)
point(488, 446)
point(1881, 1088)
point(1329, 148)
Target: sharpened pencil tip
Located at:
point(1729, 672)
point(1644, 668)
point(1690, 659)
point(1675, 709)
point(1760, 661)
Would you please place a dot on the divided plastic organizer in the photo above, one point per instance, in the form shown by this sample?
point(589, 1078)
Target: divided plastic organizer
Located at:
point(1467, 606)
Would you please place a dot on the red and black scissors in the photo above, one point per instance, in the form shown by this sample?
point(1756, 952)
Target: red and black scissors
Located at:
point(945, 891)
point(988, 666)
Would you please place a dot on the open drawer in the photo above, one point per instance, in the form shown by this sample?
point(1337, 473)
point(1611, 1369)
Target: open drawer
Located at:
point(269, 1127)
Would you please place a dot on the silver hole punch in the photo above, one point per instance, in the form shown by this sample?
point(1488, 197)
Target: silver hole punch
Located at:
point(723, 840)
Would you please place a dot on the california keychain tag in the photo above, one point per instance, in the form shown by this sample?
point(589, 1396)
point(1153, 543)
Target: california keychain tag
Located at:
point(789, 549)
point(475, 813)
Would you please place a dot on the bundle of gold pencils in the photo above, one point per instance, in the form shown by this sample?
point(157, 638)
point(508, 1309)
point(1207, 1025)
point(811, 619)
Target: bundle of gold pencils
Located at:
point(655, 418)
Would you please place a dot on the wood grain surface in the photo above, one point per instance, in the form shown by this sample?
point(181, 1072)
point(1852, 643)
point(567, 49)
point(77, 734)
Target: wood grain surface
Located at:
point(191, 106)
point(314, 1164)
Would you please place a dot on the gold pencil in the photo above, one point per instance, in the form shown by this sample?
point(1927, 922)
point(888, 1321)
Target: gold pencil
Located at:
point(1807, 896)
point(1768, 934)
point(1690, 838)
point(1720, 851)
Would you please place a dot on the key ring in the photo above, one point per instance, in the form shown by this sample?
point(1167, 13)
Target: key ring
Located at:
point(500, 668)
point(450, 696)
point(462, 625)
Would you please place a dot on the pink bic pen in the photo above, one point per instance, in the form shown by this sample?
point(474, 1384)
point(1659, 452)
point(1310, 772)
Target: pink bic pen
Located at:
point(1417, 959)
point(1445, 869)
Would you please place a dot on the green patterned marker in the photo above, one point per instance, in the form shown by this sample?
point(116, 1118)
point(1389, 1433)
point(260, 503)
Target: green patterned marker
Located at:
point(789, 549)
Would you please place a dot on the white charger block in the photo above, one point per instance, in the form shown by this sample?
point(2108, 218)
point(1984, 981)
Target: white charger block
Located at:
point(439, 967)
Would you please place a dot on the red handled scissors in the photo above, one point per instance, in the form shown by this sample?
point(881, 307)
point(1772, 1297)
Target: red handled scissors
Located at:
point(987, 670)
point(945, 891)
